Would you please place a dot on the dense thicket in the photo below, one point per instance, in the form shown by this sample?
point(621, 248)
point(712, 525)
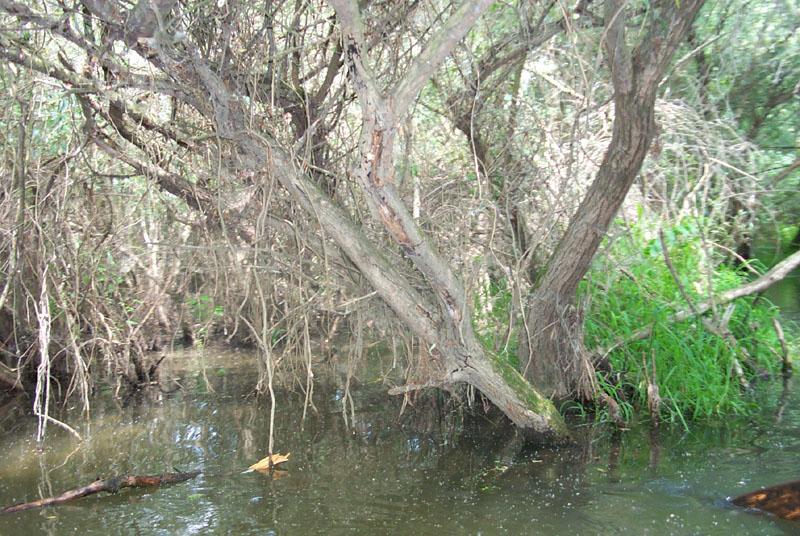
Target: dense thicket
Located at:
point(309, 177)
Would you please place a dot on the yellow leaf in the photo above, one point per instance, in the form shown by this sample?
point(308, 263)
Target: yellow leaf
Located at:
point(268, 462)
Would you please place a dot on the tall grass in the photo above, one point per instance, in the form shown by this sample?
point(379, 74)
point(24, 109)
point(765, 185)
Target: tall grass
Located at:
point(695, 370)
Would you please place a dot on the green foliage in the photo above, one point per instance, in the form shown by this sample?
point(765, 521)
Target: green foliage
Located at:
point(492, 311)
point(205, 312)
point(52, 134)
point(789, 237)
point(277, 335)
point(203, 309)
point(108, 276)
point(631, 288)
point(749, 73)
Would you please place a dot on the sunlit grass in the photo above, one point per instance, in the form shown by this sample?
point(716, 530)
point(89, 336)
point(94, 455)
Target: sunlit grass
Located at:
point(695, 370)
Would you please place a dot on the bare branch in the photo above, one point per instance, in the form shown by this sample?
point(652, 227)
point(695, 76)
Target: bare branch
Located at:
point(353, 36)
point(778, 272)
point(438, 49)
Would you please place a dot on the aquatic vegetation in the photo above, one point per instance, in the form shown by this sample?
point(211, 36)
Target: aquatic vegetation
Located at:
point(706, 366)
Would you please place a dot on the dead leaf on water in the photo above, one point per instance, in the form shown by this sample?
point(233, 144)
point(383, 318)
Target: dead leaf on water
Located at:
point(269, 462)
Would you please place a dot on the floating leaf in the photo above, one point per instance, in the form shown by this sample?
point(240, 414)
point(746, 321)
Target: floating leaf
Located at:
point(269, 462)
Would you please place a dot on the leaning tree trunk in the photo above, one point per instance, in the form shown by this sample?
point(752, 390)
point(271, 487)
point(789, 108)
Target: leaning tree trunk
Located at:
point(439, 313)
point(552, 352)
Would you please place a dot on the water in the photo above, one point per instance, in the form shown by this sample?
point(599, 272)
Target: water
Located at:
point(416, 474)
point(387, 474)
point(786, 295)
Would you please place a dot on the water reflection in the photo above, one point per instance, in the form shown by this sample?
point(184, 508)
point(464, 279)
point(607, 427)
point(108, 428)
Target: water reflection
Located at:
point(420, 473)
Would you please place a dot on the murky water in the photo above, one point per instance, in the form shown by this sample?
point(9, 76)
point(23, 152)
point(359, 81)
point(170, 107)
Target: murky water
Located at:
point(786, 293)
point(386, 474)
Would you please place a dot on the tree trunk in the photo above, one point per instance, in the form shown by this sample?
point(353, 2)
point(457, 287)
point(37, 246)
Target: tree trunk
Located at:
point(440, 314)
point(438, 309)
point(446, 327)
point(552, 342)
point(553, 356)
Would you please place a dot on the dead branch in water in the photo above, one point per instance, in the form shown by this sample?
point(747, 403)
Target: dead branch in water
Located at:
point(111, 485)
point(782, 500)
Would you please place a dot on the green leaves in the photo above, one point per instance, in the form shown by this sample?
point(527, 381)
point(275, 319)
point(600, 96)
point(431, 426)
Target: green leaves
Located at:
point(694, 368)
point(203, 309)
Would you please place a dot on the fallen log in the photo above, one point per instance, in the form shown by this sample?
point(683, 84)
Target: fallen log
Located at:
point(111, 485)
point(782, 500)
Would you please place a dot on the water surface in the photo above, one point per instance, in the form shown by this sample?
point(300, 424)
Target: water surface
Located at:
point(385, 474)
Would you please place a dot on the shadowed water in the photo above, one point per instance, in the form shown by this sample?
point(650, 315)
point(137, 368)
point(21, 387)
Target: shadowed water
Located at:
point(415, 474)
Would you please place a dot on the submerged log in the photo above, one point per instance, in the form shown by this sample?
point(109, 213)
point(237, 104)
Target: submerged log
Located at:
point(782, 500)
point(111, 485)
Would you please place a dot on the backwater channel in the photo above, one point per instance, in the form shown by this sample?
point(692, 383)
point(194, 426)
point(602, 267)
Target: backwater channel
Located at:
point(416, 474)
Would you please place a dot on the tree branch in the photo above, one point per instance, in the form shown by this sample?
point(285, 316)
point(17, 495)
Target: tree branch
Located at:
point(436, 51)
point(777, 273)
point(110, 485)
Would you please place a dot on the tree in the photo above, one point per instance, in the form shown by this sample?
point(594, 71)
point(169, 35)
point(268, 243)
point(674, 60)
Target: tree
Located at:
point(552, 350)
point(278, 118)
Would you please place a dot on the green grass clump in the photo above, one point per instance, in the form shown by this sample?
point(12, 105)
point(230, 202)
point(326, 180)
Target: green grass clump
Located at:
point(631, 288)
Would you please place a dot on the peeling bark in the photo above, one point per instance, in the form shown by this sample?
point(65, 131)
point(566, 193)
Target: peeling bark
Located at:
point(457, 349)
